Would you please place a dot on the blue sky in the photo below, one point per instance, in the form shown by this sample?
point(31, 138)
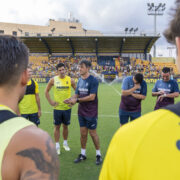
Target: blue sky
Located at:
point(103, 15)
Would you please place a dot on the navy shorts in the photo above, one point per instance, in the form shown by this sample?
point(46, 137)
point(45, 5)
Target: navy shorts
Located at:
point(62, 116)
point(88, 122)
point(125, 115)
point(32, 117)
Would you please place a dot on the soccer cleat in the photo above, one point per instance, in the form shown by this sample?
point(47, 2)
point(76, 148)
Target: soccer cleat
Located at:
point(58, 151)
point(98, 160)
point(80, 158)
point(66, 147)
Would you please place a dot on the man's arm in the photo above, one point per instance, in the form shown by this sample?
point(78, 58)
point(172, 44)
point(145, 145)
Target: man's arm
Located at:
point(130, 91)
point(37, 99)
point(143, 92)
point(38, 104)
point(91, 97)
point(138, 96)
point(93, 90)
point(73, 84)
point(171, 95)
point(74, 99)
point(155, 91)
point(30, 154)
point(48, 88)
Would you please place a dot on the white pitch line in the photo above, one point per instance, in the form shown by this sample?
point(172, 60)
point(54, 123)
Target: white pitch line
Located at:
point(99, 115)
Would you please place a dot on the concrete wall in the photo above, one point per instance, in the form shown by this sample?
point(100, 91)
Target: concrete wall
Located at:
point(61, 28)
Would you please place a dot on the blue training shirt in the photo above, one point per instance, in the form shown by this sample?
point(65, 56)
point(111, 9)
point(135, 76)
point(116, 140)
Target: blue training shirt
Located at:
point(168, 87)
point(85, 87)
point(130, 103)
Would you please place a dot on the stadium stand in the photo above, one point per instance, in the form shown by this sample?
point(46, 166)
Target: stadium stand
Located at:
point(43, 66)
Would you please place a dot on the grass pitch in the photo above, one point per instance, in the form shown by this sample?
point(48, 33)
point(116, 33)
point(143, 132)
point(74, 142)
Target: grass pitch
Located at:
point(108, 123)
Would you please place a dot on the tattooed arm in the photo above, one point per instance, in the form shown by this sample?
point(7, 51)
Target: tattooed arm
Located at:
point(30, 155)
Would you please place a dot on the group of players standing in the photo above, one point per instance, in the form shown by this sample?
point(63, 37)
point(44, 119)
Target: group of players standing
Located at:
point(148, 148)
point(85, 95)
point(134, 89)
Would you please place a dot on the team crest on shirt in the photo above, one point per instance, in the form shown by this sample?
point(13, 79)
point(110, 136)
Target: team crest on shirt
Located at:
point(86, 84)
point(169, 85)
point(66, 82)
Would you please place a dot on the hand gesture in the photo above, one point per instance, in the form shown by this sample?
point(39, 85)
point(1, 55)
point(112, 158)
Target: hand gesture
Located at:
point(67, 101)
point(137, 86)
point(54, 104)
point(161, 92)
point(39, 113)
point(160, 98)
point(70, 101)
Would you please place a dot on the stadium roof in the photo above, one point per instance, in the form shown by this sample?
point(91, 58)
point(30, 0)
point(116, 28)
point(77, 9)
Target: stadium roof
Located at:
point(98, 44)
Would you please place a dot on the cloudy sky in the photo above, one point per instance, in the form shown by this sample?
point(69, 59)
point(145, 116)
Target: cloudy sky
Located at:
point(103, 15)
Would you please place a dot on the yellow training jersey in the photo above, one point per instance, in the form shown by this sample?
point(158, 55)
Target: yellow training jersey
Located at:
point(146, 149)
point(10, 123)
point(28, 104)
point(62, 91)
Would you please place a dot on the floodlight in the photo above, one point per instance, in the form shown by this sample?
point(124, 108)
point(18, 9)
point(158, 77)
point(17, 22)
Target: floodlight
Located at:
point(131, 30)
point(53, 29)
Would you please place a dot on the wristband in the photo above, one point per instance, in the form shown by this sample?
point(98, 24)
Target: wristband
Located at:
point(165, 95)
point(77, 100)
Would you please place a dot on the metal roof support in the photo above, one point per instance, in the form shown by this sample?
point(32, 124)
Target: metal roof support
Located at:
point(47, 45)
point(96, 40)
point(121, 45)
point(147, 46)
point(72, 47)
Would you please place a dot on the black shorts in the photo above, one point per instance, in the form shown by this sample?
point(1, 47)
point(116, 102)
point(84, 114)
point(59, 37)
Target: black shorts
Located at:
point(32, 117)
point(88, 122)
point(62, 116)
point(125, 115)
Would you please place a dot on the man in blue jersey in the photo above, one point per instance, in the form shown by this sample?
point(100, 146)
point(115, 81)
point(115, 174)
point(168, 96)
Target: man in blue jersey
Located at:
point(86, 96)
point(166, 89)
point(134, 89)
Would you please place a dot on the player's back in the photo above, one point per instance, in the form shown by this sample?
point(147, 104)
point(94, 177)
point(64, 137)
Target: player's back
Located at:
point(146, 149)
point(28, 104)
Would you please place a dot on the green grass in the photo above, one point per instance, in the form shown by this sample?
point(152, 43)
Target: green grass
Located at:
point(108, 123)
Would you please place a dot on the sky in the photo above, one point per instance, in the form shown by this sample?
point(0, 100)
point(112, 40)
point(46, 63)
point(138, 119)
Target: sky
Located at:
point(109, 17)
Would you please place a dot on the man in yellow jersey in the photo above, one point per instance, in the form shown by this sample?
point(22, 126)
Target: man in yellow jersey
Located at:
point(30, 107)
point(149, 147)
point(62, 112)
point(26, 152)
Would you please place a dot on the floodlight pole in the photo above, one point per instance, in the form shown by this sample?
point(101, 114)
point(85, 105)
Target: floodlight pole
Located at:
point(170, 48)
point(155, 11)
point(155, 31)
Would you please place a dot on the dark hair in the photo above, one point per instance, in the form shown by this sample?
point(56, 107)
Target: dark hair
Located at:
point(86, 63)
point(166, 70)
point(60, 65)
point(173, 30)
point(139, 78)
point(29, 67)
point(13, 59)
